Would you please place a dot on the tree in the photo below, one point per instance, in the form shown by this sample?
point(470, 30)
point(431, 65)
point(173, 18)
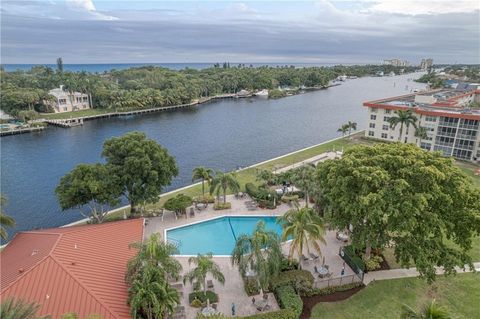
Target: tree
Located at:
point(259, 252)
point(178, 204)
point(151, 296)
point(18, 309)
point(91, 185)
point(303, 177)
point(397, 193)
point(60, 65)
point(343, 129)
point(421, 132)
point(204, 266)
point(351, 126)
point(204, 174)
point(305, 228)
point(430, 311)
point(403, 118)
point(5, 220)
point(156, 252)
point(267, 177)
point(223, 181)
point(142, 166)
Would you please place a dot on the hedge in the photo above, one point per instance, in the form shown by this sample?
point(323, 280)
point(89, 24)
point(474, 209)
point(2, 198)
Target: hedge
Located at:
point(350, 251)
point(204, 199)
point(287, 298)
point(213, 297)
point(251, 286)
point(261, 195)
point(279, 314)
point(332, 290)
point(222, 205)
point(292, 278)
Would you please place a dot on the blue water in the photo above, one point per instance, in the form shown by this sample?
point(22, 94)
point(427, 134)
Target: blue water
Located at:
point(218, 236)
point(100, 68)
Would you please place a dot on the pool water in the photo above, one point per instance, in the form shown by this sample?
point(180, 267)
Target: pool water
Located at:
point(218, 235)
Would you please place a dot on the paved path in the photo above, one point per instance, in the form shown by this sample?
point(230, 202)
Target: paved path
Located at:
point(406, 273)
point(312, 160)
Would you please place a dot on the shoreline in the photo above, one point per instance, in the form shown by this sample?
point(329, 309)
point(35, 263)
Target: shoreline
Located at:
point(84, 220)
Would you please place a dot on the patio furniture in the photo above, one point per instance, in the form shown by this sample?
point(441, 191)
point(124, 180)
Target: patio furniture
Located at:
point(314, 256)
point(209, 311)
point(261, 305)
point(304, 258)
point(214, 306)
point(210, 284)
point(192, 212)
point(342, 237)
point(322, 272)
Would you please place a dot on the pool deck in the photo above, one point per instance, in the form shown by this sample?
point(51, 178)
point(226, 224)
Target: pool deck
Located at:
point(233, 290)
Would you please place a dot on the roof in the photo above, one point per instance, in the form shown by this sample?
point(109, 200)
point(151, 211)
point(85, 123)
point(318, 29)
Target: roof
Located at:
point(77, 269)
point(442, 102)
point(60, 92)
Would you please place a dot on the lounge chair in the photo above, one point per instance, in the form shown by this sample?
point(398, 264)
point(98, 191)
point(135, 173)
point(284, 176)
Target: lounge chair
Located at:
point(315, 269)
point(314, 256)
point(210, 284)
point(192, 212)
point(304, 258)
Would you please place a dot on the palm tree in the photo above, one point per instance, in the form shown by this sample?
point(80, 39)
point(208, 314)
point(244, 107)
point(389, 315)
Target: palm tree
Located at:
point(351, 126)
point(430, 311)
point(343, 129)
point(19, 309)
point(5, 220)
point(204, 265)
point(421, 132)
point(303, 178)
point(203, 173)
point(304, 227)
point(222, 181)
point(403, 118)
point(153, 252)
point(259, 252)
point(151, 295)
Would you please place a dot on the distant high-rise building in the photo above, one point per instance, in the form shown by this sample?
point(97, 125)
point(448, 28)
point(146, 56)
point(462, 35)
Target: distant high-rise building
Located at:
point(396, 62)
point(426, 64)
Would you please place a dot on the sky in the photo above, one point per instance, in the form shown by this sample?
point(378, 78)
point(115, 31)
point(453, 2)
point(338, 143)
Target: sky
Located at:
point(324, 31)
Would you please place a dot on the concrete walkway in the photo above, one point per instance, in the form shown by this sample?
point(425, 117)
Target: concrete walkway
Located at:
point(312, 160)
point(407, 273)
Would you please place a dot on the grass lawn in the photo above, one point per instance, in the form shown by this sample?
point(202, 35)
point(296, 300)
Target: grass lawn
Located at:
point(384, 299)
point(469, 169)
point(67, 115)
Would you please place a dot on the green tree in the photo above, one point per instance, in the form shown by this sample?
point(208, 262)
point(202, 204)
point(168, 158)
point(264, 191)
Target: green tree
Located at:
point(305, 228)
point(60, 65)
point(430, 311)
point(204, 174)
point(18, 309)
point(5, 220)
point(267, 177)
point(351, 126)
point(151, 296)
point(204, 266)
point(142, 166)
point(403, 118)
point(178, 204)
point(259, 252)
point(91, 185)
point(343, 129)
point(154, 251)
point(223, 181)
point(397, 193)
point(303, 178)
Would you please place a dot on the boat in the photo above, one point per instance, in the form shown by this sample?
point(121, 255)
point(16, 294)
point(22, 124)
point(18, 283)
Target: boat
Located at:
point(342, 78)
point(262, 93)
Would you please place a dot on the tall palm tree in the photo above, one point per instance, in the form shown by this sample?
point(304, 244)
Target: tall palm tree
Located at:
point(223, 181)
point(403, 118)
point(421, 133)
point(204, 266)
point(19, 309)
point(430, 311)
point(303, 177)
point(351, 126)
point(305, 228)
point(5, 220)
point(153, 252)
point(203, 173)
point(343, 129)
point(259, 252)
point(151, 295)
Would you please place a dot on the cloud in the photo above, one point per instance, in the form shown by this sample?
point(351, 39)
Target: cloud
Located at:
point(416, 7)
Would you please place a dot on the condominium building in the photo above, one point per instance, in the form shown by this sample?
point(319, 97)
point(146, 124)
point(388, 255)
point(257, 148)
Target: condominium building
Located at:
point(396, 62)
point(452, 127)
point(426, 64)
point(66, 101)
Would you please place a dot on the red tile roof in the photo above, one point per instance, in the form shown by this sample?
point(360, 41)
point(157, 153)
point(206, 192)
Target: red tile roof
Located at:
point(77, 269)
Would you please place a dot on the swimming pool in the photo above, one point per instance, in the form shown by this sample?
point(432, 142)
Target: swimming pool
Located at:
point(218, 235)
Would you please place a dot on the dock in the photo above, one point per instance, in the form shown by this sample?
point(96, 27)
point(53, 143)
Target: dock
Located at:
point(22, 130)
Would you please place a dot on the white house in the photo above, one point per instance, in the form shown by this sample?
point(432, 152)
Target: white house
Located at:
point(69, 101)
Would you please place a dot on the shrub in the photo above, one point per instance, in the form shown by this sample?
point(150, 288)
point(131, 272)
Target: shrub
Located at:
point(373, 263)
point(288, 299)
point(350, 251)
point(276, 93)
point(222, 205)
point(279, 314)
point(251, 286)
point(293, 278)
point(202, 298)
point(289, 198)
point(288, 264)
point(207, 199)
point(178, 203)
point(264, 196)
point(331, 290)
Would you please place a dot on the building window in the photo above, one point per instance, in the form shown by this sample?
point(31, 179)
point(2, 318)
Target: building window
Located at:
point(384, 135)
point(62, 101)
point(386, 118)
point(373, 110)
point(373, 117)
point(371, 133)
point(430, 118)
point(85, 99)
point(65, 109)
point(391, 137)
point(372, 125)
point(385, 127)
point(426, 146)
point(388, 111)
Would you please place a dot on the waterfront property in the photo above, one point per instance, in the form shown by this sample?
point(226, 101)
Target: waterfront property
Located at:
point(66, 101)
point(450, 125)
point(73, 269)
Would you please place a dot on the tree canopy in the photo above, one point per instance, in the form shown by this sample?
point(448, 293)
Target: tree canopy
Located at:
point(142, 166)
point(398, 193)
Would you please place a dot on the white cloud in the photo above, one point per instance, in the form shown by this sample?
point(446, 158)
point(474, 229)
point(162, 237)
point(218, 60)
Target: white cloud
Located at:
point(81, 4)
point(416, 7)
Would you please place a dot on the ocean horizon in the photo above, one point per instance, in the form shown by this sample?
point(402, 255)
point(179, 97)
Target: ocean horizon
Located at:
point(105, 67)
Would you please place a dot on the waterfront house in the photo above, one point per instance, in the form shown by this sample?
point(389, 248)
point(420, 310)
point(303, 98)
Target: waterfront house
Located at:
point(79, 269)
point(67, 101)
point(452, 126)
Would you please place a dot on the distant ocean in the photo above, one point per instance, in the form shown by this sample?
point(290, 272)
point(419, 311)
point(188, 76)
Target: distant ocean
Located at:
point(100, 68)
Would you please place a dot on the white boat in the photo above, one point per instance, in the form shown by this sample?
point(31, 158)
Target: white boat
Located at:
point(342, 78)
point(262, 93)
